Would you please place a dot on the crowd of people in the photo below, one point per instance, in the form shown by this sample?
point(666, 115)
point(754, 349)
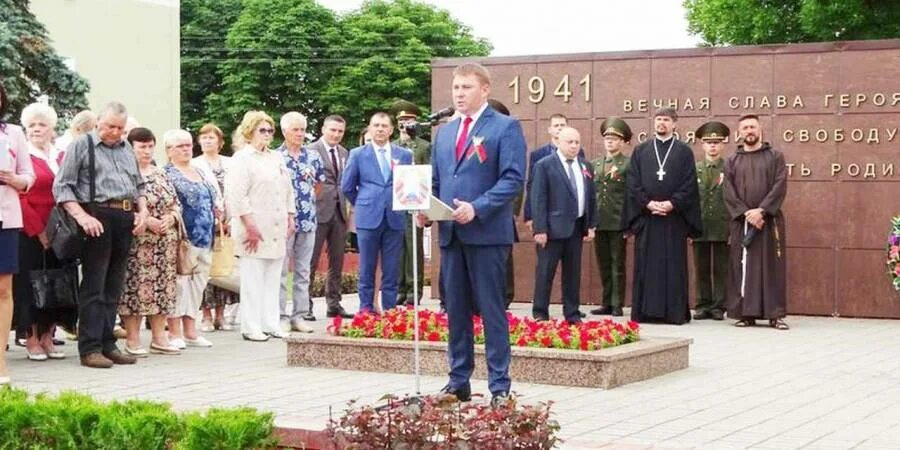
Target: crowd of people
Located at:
point(153, 231)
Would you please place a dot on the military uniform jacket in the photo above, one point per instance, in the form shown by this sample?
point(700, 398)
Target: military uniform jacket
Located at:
point(420, 147)
point(609, 177)
point(711, 178)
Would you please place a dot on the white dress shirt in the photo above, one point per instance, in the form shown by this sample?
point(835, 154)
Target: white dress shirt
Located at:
point(474, 117)
point(579, 179)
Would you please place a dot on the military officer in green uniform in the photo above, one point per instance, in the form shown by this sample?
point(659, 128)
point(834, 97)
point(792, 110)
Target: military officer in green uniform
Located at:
point(407, 113)
point(711, 249)
point(610, 173)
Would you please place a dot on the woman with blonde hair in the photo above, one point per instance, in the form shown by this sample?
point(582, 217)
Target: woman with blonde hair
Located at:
point(197, 195)
point(38, 324)
point(215, 298)
point(260, 202)
point(82, 123)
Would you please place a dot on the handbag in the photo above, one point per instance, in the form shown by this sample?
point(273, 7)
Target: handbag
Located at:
point(66, 237)
point(54, 288)
point(184, 262)
point(222, 255)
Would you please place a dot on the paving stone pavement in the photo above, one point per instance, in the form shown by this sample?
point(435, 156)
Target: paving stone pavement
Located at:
point(825, 384)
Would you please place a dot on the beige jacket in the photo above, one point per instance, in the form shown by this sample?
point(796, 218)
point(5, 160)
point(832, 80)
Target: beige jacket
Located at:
point(257, 183)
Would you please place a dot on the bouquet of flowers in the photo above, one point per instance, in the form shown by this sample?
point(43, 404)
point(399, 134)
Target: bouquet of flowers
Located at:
point(893, 249)
point(398, 324)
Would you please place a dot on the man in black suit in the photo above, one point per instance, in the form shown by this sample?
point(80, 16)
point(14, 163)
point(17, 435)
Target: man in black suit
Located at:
point(564, 210)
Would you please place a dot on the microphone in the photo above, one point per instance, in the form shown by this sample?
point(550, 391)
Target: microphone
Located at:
point(436, 116)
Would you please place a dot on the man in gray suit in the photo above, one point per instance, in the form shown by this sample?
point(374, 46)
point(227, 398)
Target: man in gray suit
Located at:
point(331, 214)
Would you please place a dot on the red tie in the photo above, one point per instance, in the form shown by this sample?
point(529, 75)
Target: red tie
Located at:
point(463, 137)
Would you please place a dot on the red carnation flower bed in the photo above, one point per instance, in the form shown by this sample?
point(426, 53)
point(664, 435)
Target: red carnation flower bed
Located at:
point(397, 324)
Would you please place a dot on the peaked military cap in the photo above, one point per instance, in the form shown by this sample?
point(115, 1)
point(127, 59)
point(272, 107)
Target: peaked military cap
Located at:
point(712, 131)
point(403, 109)
point(616, 127)
point(499, 107)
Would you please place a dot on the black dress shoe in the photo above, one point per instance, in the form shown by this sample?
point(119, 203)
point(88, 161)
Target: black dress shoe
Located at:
point(581, 314)
point(339, 312)
point(540, 318)
point(617, 312)
point(402, 299)
point(309, 317)
point(602, 311)
point(59, 342)
point(702, 315)
point(717, 314)
point(462, 394)
point(499, 399)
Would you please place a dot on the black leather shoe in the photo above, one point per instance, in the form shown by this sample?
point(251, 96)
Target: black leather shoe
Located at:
point(462, 394)
point(499, 399)
point(717, 314)
point(540, 318)
point(617, 312)
point(58, 342)
point(602, 311)
point(702, 315)
point(581, 314)
point(402, 299)
point(339, 312)
point(309, 317)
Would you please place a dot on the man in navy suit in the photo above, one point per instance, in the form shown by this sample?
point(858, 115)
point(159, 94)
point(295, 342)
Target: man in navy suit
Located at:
point(565, 213)
point(478, 168)
point(367, 183)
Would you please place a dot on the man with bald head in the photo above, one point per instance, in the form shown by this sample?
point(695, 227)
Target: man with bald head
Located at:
point(564, 211)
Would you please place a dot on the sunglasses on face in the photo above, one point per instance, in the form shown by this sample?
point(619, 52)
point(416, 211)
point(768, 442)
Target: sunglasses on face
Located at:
point(266, 131)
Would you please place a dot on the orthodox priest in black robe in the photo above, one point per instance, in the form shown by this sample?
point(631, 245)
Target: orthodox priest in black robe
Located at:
point(662, 210)
point(755, 188)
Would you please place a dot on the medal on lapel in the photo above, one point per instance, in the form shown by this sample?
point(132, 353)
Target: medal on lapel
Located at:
point(585, 172)
point(477, 149)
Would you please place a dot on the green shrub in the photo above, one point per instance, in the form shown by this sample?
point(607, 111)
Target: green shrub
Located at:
point(72, 421)
point(225, 429)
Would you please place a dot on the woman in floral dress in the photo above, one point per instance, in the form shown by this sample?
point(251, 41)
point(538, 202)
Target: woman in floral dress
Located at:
point(211, 140)
point(150, 288)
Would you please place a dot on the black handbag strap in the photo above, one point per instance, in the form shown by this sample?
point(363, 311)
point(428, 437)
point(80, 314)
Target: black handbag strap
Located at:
point(92, 170)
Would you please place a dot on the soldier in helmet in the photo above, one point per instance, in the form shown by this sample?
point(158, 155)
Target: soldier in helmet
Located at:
point(711, 249)
point(407, 113)
point(610, 173)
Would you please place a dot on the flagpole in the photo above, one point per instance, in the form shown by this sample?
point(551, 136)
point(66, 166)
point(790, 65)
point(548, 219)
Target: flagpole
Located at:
point(415, 267)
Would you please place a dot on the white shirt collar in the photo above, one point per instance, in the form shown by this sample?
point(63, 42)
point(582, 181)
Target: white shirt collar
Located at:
point(49, 159)
point(477, 113)
point(386, 147)
point(666, 139)
point(563, 158)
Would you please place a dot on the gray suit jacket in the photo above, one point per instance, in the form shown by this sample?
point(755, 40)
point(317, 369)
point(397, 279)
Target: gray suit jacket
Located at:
point(330, 191)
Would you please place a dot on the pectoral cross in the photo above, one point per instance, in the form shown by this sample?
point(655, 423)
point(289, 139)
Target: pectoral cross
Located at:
point(661, 173)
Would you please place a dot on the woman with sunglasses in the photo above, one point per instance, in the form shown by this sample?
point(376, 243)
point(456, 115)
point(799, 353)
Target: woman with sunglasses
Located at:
point(259, 199)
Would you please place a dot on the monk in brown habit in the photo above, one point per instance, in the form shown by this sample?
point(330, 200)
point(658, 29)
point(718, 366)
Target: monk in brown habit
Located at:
point(755, 187)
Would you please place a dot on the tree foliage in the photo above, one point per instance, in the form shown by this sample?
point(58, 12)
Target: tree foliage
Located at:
point(30, 67)
point(281, 55)
point(384, 54)
point(738, 22)
point(204, 27)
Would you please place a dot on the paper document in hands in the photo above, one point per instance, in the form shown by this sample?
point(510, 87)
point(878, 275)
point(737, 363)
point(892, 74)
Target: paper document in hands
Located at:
point(439, 210)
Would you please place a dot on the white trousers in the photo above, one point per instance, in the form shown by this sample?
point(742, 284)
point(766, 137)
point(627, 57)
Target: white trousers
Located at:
point(260, 285)
point(191, 287)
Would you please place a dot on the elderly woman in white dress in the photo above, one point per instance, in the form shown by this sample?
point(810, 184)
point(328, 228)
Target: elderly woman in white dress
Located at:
point(260, 202)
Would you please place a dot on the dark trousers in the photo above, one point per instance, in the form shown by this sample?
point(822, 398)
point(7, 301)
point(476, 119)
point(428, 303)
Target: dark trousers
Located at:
point(472, 278)
point(103, 264)
point(711, 263)
point(568, 251)
point(609, 248)
point(32, 256)
point(335, 234)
